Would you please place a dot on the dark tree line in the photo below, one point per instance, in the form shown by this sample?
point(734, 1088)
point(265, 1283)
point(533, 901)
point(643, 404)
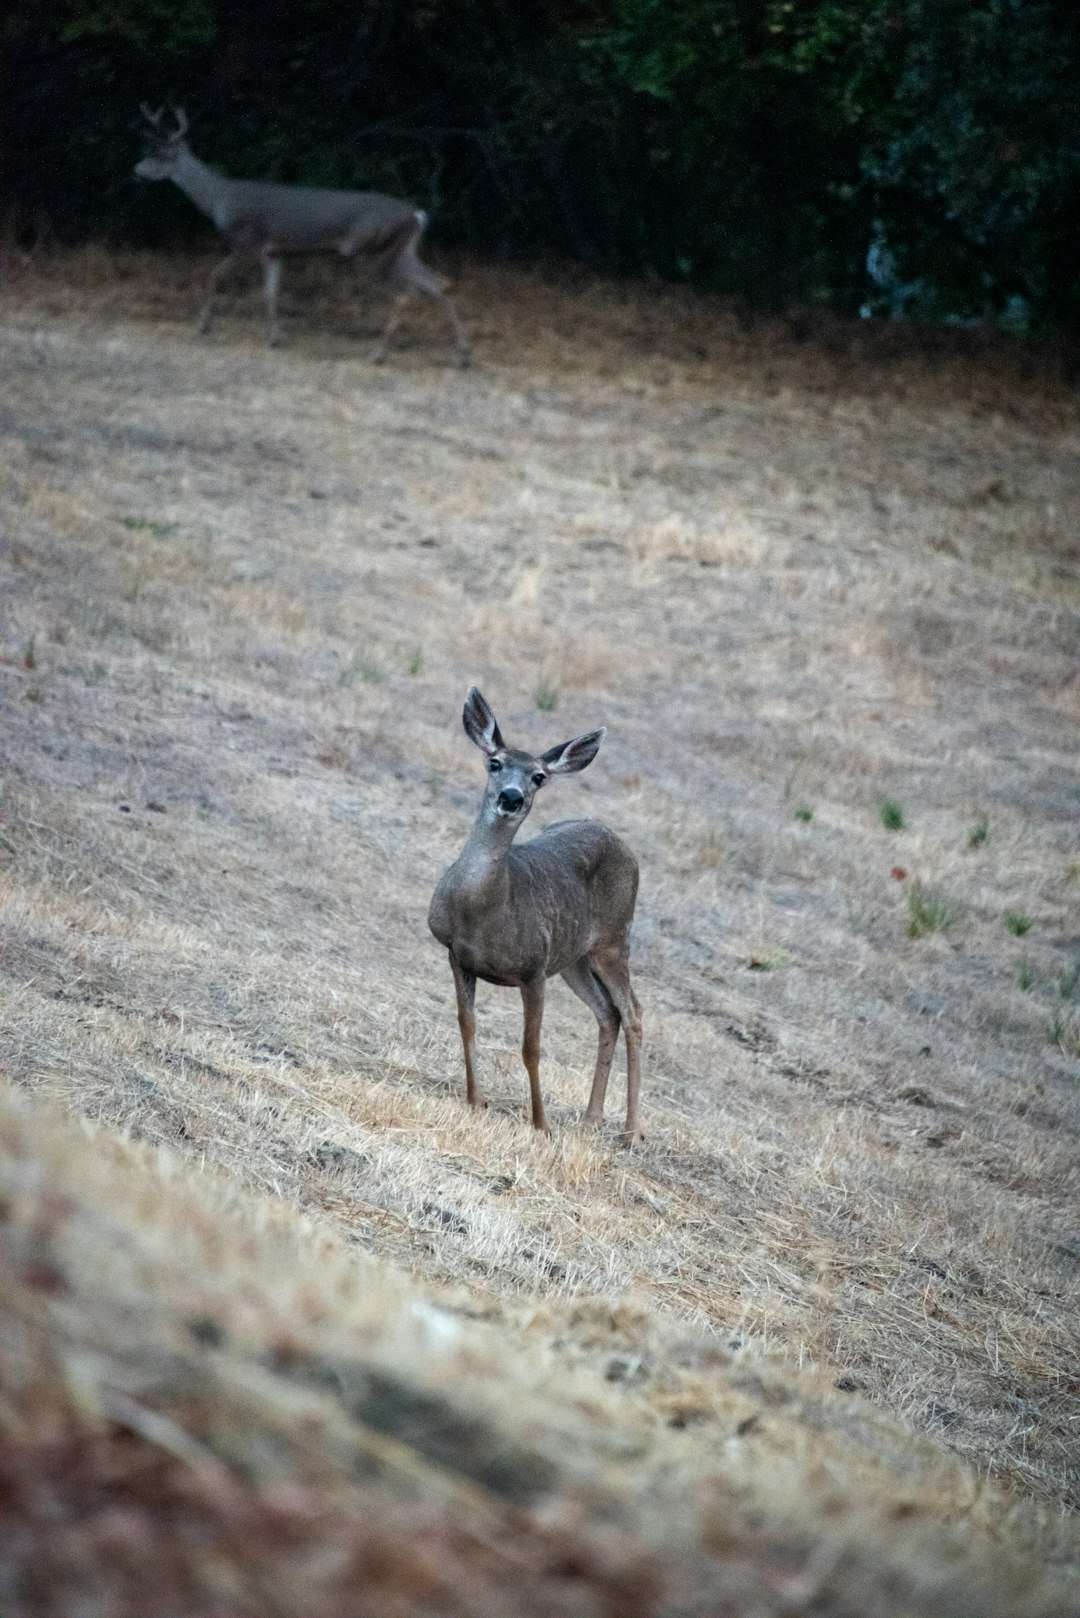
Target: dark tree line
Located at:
point(754, 146)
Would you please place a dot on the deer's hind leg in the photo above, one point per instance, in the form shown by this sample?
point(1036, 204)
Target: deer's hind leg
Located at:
point(588, 987)
point(401, 299)
point(409, 274)
point(612, 968)
point(461, 342)
point(271, 286)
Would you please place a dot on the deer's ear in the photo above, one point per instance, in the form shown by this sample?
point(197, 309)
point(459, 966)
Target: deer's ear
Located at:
point(480, 724)
point(573, 756)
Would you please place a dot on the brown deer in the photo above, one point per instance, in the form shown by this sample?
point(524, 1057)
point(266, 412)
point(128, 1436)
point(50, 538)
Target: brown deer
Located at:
point(266, 221)
point(561, 903)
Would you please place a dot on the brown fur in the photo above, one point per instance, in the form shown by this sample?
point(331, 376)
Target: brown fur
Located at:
point(560, 904)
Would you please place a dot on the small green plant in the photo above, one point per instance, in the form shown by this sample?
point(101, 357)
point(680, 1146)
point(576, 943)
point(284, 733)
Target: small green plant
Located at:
point(140, 578)
point(1017, 923)
point(1069, 981)
point(712, 849)
point(1025, 974)
point(30, 654)
point(979, 832)
point(416, 660)
point(146, 525)
point(774, 961)
point(362, 666)
point(1063, 1030)
point(804, 812)
point(546, 695)
point(930, 910)
point(891, 814)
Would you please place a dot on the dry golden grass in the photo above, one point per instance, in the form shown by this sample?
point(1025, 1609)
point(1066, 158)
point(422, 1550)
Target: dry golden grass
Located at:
point(243, 595)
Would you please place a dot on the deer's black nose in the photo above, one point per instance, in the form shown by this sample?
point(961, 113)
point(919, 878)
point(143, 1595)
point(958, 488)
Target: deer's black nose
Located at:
point(510, 800)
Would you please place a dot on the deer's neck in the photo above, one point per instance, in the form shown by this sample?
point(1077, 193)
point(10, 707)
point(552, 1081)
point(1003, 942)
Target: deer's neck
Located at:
point(206, 189)
point(481, 872)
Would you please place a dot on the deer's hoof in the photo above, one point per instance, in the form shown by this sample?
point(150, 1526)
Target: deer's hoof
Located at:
point(591, 1123)
point(630, 1138)
point(479, 1103)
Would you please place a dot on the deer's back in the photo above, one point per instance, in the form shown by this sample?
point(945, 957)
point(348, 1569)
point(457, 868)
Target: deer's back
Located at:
point(585, 851)
point(582, 880)
point(298, 217)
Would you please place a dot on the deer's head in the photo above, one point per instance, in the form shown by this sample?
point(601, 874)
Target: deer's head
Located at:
point(513, 777)
point(166, 145)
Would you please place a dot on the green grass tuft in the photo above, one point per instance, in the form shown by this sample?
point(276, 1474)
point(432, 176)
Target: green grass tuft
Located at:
point(1017, 923)
point(768, 963)
point(1063, 1030)
point(930, 910)
point(979, 832)
point(546, 694)
point(891, 815)
point(1069, 982)
point(362, 666)
point(147, 525)
point(804, 812)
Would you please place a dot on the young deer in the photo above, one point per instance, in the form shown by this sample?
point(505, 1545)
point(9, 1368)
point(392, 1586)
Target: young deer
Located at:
point(266, 221)
point(560, 903)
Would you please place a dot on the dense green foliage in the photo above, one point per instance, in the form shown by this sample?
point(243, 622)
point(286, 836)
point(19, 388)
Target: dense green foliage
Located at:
point(752, 145)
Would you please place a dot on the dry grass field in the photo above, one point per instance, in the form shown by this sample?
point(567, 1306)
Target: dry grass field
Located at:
point(284, 1328)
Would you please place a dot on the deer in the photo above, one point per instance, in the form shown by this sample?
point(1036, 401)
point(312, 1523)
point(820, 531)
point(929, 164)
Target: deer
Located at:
point(267, 221)
point(562, 903)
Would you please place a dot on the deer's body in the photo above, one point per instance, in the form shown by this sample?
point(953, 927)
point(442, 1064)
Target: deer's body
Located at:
point(540, 909)
point(560, 904)
point(269, 222)
point(291, 218)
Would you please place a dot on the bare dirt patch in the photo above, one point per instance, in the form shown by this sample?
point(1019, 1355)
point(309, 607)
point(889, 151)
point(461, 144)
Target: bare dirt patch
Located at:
point(243, 595)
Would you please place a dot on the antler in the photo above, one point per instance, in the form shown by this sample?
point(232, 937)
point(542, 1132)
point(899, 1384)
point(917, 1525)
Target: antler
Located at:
point(155, 120)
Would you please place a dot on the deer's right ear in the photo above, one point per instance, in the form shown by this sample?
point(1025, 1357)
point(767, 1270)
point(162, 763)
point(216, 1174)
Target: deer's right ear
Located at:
point(480, 724)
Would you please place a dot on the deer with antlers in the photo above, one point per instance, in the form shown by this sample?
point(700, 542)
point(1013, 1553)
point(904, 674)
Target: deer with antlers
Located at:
point(268, 222)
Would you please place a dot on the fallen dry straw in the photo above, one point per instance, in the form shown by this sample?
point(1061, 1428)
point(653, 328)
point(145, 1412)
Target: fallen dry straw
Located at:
point(208, 1406)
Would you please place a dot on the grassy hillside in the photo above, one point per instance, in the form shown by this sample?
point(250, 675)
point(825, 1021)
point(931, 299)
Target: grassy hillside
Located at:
point(815, 1346)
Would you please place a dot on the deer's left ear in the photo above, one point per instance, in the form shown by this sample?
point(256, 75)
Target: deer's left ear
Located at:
point(570, 757)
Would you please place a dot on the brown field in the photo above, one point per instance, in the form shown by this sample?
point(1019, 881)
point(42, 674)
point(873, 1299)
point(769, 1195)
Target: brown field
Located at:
point(285, 1329)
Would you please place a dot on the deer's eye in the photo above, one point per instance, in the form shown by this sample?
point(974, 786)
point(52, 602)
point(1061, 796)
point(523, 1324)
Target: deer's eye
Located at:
point(539, 778)
point(494, 765)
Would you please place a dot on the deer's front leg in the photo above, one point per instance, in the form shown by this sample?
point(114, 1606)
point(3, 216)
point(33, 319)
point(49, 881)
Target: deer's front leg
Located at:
point(465, 989)
point(532, 996)
point(271, 285)
point(217, 278)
